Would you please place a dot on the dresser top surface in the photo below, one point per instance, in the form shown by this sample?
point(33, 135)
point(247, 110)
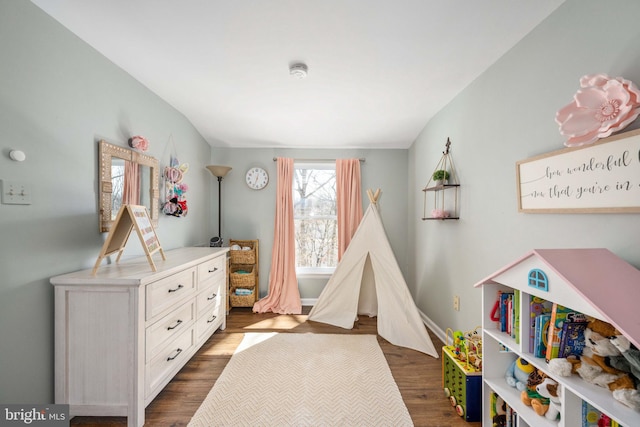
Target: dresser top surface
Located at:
point(137, 271)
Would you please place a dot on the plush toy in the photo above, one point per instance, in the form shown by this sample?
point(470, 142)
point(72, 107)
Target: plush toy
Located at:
point(630, 364)
point(531, 397)
point(601, 363)
point(518, 373)
point(551, 390)
point(631, 355)
point(500, 418)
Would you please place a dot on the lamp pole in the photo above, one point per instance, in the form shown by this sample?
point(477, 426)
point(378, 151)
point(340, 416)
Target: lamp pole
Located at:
point(220, 209)
point(219, 172)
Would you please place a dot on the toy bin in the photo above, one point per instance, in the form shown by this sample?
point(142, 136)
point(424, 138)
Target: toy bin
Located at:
point(462, 383)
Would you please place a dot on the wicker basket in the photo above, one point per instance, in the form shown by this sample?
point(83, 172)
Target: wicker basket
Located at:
point(243, 257)
point(242, 300)
point(243, 280)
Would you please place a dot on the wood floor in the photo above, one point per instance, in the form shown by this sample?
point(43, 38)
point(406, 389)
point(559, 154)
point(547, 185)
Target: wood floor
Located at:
point(418, 376)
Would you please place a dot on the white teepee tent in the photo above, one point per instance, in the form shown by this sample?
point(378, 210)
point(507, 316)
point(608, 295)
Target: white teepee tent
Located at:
point(368, 281)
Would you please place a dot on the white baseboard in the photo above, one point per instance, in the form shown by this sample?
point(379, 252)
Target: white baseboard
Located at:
point(433, 327)
point(309, 301)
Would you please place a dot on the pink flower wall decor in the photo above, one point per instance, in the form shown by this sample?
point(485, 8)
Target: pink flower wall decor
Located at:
point(601, 106)
point(139, 143)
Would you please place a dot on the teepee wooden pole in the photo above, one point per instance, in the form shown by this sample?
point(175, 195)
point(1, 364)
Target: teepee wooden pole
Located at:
point(373, 197)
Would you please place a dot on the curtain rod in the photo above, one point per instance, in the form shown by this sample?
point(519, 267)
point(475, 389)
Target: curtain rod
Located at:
point(362, 160)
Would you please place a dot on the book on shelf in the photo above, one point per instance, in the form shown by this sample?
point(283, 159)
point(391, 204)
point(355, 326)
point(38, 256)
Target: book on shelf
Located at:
point(592, 417)
point(559, 315)
point(572, 340)
point(537, 306)
point(503, 299)
point(515, 328)
point(541, 334)
point(509, 314)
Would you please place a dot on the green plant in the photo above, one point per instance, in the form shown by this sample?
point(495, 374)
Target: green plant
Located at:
point(441, 175)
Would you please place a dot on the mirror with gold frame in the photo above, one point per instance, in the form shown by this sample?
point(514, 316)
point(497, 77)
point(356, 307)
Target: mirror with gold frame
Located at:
point(126, 176)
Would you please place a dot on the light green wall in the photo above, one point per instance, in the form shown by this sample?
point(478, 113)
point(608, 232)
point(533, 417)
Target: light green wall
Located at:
point(57, 98)
point(249, 214)
point(507, 115)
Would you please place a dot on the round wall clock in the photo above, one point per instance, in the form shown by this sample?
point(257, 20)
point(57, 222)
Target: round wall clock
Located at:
point(257, 178)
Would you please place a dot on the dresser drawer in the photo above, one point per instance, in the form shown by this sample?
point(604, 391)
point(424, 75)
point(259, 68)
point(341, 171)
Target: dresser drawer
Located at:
point(169, 291)
point(209, 322)
point(211, 270)
point(210, 298)
point(168, 327)
point(169, 360)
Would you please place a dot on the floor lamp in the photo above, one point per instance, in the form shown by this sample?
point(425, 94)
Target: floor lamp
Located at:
point(219, 172)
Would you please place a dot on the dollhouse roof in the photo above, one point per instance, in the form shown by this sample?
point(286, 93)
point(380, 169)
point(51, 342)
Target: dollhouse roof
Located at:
point(601, 278)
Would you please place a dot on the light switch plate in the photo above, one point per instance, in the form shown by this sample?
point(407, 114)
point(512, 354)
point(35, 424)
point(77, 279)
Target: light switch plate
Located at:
point(15, 192)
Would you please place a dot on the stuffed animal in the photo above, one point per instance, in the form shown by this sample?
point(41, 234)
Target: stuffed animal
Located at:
point(630, 363)
point(601, 361)
point(630, 354)
point(518, 373)
point(531, 397)
point(551, 390)
point(500, 418)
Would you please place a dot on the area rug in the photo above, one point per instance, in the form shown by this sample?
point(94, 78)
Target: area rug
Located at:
point(282, 379)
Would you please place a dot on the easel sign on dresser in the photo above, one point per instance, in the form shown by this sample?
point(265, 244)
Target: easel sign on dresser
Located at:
point(130, 217)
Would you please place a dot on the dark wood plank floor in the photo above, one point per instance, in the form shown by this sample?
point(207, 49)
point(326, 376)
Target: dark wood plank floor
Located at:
point(419, 377)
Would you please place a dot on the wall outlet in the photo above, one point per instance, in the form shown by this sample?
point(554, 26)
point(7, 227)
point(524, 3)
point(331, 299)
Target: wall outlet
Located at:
point(15, 193)
point(456, 303)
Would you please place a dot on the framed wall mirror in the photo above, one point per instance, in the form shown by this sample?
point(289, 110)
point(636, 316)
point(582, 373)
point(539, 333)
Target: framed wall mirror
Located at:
point(126, 176)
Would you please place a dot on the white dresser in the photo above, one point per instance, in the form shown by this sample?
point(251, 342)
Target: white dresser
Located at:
point(121, 335)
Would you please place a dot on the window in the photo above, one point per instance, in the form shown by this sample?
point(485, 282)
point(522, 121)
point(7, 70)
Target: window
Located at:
point(538, 279)
point(315, 218)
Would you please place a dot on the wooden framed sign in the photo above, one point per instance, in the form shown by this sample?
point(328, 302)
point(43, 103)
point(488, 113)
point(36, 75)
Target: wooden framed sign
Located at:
point(597, 178)
point(130, 217)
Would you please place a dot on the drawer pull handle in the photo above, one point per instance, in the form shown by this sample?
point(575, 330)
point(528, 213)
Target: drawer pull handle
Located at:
point(169, 328)
point(212, 319)
point(178, 351)
point(176, 289)
point(214, 270)
point(212, 297)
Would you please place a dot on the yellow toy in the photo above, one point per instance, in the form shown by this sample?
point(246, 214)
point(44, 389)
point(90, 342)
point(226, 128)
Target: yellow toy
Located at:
point(467, 347)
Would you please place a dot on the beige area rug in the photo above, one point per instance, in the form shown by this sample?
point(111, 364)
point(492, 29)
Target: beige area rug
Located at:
point(280, 379)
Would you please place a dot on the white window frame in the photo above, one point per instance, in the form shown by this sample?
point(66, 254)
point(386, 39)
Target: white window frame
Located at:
point(315, 272)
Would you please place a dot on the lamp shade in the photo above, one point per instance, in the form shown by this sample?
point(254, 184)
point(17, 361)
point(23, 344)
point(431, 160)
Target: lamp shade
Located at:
point(219, 171)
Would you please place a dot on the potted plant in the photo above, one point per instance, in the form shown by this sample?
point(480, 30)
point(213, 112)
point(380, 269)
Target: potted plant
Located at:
point(440, 177)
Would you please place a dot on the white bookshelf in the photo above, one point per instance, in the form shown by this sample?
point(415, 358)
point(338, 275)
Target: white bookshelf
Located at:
point(577, 278)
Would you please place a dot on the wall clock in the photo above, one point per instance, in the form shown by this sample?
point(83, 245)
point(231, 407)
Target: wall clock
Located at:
point(257, 178)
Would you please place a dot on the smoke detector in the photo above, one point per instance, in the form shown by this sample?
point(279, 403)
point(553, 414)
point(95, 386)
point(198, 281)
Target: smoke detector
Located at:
point(298, 71)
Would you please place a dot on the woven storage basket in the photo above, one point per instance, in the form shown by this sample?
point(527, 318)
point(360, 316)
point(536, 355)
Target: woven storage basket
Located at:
point(243, 257)
point(242, 300)
point(243, 280)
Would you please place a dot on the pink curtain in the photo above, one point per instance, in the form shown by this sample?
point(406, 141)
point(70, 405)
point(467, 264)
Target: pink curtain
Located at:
point(130, 192)
point(349, 201)
point(284, 296)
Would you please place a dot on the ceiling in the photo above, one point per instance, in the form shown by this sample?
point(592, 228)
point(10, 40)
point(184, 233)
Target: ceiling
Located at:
point(378, 70)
